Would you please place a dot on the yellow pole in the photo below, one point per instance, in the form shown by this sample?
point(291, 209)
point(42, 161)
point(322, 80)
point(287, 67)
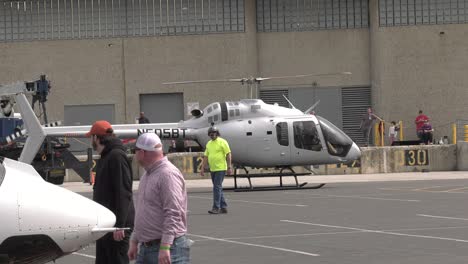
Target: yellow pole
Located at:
point(400, 124)
point(454, 133)
point(376, 134)
point(466, 133)
point(382, 128)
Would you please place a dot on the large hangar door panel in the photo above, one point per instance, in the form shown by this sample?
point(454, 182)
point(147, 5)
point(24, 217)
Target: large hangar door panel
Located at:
point(81, 115)
point(163, 107)
point(329, 106)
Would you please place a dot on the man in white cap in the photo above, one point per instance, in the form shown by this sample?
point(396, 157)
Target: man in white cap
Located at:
point(161, 208)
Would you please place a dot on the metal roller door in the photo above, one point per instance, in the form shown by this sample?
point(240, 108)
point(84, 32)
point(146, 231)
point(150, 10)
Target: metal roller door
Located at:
point(355, 101)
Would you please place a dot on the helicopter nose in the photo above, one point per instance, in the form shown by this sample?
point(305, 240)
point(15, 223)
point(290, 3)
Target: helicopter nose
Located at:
point(354, 153)
point(105, 217)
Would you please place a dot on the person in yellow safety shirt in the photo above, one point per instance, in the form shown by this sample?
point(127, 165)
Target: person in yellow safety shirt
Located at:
point(218, 156)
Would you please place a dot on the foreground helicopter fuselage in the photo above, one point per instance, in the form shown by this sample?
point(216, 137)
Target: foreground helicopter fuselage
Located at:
point(41, 221)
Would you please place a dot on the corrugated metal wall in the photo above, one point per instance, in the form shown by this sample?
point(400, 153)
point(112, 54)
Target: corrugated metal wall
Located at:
point(355, 101)
point(275, 96)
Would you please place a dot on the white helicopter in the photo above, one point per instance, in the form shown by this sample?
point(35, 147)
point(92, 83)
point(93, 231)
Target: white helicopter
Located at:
point(41, 221)
point(260, 134)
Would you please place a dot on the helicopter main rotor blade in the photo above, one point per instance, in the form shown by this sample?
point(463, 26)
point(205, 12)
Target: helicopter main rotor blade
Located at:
point(205, 81)
point(312, 108)
point(302, 75)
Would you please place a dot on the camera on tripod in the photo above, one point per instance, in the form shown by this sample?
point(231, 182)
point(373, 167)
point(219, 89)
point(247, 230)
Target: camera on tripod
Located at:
point(31, 86)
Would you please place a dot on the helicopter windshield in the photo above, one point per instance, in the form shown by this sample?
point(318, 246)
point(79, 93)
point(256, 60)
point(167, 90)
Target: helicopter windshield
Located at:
point(338, 143)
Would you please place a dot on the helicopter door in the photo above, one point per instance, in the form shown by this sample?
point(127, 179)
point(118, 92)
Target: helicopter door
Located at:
point(282, 148)
point(307, 145)
point(262, 143)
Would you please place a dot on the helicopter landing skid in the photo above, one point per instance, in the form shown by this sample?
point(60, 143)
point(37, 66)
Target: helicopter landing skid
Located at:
point(281, 174)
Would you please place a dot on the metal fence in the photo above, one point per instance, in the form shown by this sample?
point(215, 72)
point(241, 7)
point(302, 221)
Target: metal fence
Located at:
point(77, 19)
point(418, 12)
point(309, 15)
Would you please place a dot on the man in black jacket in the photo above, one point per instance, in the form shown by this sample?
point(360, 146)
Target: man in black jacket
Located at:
point(112, 189)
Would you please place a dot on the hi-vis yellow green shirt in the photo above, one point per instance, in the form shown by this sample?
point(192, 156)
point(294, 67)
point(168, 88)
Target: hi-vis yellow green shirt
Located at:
point(216, 151)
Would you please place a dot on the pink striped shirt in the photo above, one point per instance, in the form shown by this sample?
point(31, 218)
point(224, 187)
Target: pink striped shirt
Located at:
point(161, 205)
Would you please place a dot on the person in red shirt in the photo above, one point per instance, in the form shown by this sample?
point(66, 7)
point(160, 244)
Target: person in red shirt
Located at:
point(420, 119)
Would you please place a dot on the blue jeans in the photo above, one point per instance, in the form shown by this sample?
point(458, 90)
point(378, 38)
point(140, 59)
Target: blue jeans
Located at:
point(180, 252)
point(217, 177)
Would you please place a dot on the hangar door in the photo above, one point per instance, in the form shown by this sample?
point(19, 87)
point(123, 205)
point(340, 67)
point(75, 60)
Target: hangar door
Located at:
point(163, 107)
point(80, 115)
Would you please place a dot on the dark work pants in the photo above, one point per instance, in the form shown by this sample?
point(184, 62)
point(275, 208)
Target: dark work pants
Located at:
point(109, 251)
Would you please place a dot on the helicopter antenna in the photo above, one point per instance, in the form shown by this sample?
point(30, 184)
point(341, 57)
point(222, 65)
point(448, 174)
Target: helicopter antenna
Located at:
point(312, 108)
point(289, 102)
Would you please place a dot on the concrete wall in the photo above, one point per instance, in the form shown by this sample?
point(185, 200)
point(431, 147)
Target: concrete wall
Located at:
point(326, 51)
point(115, 71)
point(409, 159)
point(417, 67)
point(462, 156)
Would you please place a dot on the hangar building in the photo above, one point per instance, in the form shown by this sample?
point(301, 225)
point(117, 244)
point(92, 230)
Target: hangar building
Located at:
point(107, 59)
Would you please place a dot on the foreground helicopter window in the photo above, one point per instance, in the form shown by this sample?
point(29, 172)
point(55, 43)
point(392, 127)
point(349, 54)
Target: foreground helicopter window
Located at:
point(2, 173)
point(306, 136)
point(282, 133)
point(338, 143)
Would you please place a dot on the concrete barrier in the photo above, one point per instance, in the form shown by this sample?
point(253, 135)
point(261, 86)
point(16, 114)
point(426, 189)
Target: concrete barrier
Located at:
point(418, 158)
point(462, 156)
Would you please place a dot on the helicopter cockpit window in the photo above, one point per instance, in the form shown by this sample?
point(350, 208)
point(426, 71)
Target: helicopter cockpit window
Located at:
point(209, 110)
point(231, 113)
point(210, 119)
point(215, 106)
point(215, 118)
point(282, 133)
point(2, 173)
point(237, 112)
point(338, 143)
point(306, 136)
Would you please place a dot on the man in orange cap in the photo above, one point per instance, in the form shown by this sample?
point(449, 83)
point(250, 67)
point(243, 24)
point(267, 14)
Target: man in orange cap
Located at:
point(112, 189)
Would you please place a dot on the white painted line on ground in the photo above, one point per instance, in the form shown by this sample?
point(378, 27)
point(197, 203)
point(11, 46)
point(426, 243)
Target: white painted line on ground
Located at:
point(456, 189)
point(354, 196)
point(418, 190)
point(258, 245)
point(379, 231)
point(337, 233)
point(245, 201)
point(84, 255)
point(426, 228)
point(443, 217)
point(427, 188)
point(290, 235)
point(395, 189)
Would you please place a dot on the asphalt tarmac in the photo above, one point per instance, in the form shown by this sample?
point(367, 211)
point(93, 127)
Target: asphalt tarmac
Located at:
point(417, 222)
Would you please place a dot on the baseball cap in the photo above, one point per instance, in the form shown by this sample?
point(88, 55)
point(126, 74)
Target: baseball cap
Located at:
point(99, 128)
point(149, 142)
